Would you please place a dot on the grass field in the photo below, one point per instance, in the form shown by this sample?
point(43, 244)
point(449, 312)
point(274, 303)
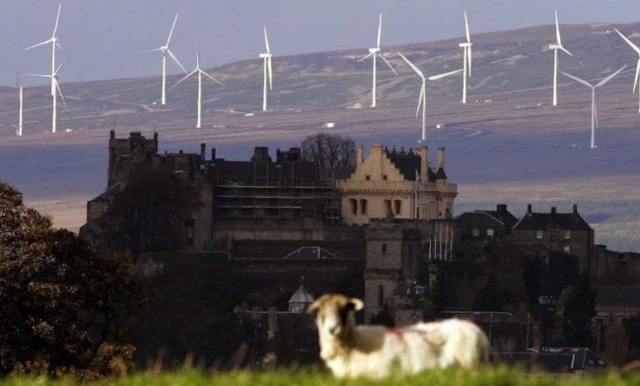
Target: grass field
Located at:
point(497, 377)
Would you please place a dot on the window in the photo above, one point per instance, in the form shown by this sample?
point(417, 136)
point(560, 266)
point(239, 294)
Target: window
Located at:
point(384, 248)
point(567, 235)
point(539, 235)
point(387, 207)
point(398, 206)
point(363, 206)
point(475, 232)
point(367, 177)
point(384, 177)
point(567, 249)
point(490, 232)
point(354, 205)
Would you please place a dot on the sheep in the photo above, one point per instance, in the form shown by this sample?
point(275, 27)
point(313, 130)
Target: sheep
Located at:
point(351, 351)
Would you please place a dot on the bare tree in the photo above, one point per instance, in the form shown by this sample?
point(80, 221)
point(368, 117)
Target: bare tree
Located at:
point(329, 150)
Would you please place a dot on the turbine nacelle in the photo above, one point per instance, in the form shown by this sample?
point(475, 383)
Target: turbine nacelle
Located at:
point(265, 55)
point(374, 50)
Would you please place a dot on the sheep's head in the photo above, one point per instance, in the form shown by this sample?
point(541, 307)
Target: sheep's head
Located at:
point(335, 314)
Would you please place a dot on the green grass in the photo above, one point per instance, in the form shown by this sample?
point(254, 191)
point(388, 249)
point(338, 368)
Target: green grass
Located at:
point(494, 377)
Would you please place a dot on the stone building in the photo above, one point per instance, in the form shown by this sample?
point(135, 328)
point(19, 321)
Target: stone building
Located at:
point(398, 184)
point(558, 232)
point(486, 224)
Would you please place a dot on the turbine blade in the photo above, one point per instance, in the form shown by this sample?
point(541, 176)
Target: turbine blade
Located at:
point(388, 64)
point(466, 27)
point(176, 60)
point(64, 102)
point(154, 49)
point(565, 50)
point(608, 78)
point(38, 75)
point(366, 57)
point(60, 66)
point(635, 82)
point(440, 76)
point(421, 99)
point(212, 78)
point(183, 79)
point(37, 45)
point(55, 28)
point(558, 41)
point(175, 19)
point(595, 112)
point(270, 70)
point(198, 54)
point(577, 79)
point(629, 42)
point(379, 31)
point(413, 66)
point(266, 40)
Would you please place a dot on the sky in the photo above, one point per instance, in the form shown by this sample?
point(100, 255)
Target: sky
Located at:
point(106, 38)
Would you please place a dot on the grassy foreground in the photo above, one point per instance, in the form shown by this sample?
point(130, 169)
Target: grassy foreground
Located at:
point(494, 377)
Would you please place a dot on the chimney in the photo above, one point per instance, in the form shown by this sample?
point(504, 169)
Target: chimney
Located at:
point(575, 208)
point(553, 210)
point(423, 152)
point(155, 139)
point(203, 148)
point(441, 157)
point(273, 320)
point(112, 134)
point(360, 155)
point(213, 154)
point(501, 208)
point(528, 208)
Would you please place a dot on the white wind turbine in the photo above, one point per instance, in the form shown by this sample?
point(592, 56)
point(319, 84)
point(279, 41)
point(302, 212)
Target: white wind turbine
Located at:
point(555, 47)
point(594, 107)
point(54, 80)
point(466, 58)
point(268, 70)
point(200, 72)
point(165, 50)
point(635, 82)
point(54, 44)
point(19, 131)
point(422, 101)
point(374, 53)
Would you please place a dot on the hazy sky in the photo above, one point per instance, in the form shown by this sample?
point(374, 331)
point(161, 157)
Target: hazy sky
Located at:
point(106, 37)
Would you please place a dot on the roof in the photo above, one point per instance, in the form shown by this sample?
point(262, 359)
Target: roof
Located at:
point(546, 221)
point(301, 296)
point(504, 216)
point(618, 296)
point(479, 218)
point(408, 163)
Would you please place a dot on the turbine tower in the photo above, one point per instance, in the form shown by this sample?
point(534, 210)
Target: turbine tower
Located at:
point(54, 44)
point(374, 53)
point(200, 72)
point(19, 130)
point(54, 79)
point(555, 47)
point(594, 112)
point(466, 58)
point(165, 50)
point(268, 70)
point(422, 100)
point(635, 82)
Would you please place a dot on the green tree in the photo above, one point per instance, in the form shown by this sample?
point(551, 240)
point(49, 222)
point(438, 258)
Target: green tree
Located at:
point(64, 308)
point(579, 308)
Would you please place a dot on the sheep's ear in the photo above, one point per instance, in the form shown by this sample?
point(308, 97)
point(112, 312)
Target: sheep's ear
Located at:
point(313, 307)
point(356, 304)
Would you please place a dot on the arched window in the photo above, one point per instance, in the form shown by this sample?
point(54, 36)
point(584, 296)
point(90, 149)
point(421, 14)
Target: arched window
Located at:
point(398, 206)
point(363, 206)
point(353, 203)
point(387, 207)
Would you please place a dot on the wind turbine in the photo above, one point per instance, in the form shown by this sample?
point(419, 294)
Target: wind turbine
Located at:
point(555, 47)
point(466, 58)
point(19, 131)
point(54, 43)
point(594, 112)
point(268, 70)
point(422, 101)
point(200, 72)
point(54, 80)
point(165, 50)
point(374, 53)
point(635, 82)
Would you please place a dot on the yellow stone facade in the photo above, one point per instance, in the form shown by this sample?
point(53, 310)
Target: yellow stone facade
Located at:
point(384, 184)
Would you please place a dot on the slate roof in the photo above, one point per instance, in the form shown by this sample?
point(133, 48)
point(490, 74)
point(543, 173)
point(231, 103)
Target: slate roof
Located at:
point(479, 218)
point(506, 217)
point(546, 221)
point(618, 296)
point(408, 163)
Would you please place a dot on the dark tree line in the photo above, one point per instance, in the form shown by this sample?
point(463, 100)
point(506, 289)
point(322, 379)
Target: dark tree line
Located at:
point(329, 150)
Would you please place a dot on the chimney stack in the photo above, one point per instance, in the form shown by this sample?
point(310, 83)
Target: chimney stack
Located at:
point(360, 155)
point(213, 154)
point(441, 157)
point(553, 210)
point(528, 208)
point(575, 208)
point(501, 208)
point(203, 148)
point(112, 134)
point(423, 152)
point(155, 139)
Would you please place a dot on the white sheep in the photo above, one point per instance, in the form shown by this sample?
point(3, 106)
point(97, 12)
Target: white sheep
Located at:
point(375, 351)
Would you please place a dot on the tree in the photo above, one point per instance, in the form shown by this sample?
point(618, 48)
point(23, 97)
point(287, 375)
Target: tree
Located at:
point(64, 308)
point(149, 214)
point(329, 150)
point(491, 297)
point(579, 308)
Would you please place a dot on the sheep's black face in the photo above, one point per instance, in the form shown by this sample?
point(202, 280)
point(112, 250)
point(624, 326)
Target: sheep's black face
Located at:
point(335, 314)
